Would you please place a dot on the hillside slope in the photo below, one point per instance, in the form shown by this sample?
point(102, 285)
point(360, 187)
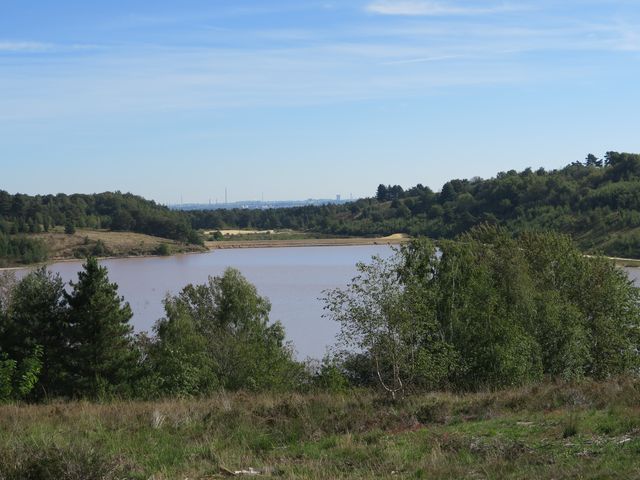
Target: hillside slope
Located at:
point(596, 201)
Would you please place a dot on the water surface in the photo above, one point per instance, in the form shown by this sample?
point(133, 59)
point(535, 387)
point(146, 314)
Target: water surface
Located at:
point(292, 278)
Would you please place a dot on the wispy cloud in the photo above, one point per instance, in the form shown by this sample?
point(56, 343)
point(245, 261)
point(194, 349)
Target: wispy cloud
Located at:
point(422, 60)
point(430, 8)
point(218, 66)
point(24, 47)
point(28, 47)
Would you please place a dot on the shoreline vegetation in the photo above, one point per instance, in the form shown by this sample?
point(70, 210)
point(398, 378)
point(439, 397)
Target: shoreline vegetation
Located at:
point(116, 245)
point(146, 246)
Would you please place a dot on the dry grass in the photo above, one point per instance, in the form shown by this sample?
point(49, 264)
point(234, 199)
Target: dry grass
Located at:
point(117, 244)
point(518, 433)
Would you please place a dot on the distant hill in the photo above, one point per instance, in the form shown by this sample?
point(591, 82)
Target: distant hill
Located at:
point(596, 201)
point(121, 212)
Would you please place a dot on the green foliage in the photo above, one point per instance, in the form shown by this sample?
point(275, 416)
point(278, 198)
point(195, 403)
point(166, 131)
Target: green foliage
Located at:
point(18, 379)
point(596, 202)
point(163, 250)
point(489, 311)
point(219, 334)
point(21, 249)
point(177, 359)
point(69, 228)
point(330, 375)
point(79, 344)
point(115, 211)
point(35, 317)
point(100, 340)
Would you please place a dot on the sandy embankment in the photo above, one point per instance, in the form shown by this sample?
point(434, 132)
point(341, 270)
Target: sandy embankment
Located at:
point(394, 239)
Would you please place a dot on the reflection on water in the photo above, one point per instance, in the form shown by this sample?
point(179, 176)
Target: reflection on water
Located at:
point(292, 278)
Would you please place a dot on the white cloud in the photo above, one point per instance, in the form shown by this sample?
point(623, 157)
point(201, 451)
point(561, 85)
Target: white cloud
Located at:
point(429, 8)
point(24, 47)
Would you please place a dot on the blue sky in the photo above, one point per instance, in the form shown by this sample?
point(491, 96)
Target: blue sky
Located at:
point(305, 98)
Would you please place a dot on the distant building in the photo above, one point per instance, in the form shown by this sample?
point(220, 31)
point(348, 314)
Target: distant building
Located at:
point(338, 198)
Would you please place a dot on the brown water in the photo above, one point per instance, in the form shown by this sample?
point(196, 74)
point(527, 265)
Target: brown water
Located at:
point(292, 278)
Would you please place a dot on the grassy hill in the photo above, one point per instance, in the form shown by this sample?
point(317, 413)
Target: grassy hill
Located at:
point(32, 228)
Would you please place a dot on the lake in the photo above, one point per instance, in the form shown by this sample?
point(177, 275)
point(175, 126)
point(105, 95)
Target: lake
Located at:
point(292, 278)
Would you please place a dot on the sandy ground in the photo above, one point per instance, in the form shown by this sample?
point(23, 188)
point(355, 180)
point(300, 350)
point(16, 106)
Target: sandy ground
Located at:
point(229, 233)
point(309, 242)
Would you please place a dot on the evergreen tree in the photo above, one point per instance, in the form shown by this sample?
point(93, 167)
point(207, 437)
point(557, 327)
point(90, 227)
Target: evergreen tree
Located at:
point(102, 353)
point(36, 318)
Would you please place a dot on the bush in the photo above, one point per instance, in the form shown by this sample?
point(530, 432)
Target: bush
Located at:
point(18, 379)
point(163, 250)
point(489, 311)
point(53, 462)
point(219, 335)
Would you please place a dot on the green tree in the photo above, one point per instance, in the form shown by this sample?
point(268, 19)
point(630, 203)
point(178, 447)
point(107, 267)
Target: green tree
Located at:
point(391, 318)
point(37, 318)
point(18, 379)
point(382, 194)
point(102, 357)
point(69, 227)
point(178, 362)
point(486, 311)
point(246, 350)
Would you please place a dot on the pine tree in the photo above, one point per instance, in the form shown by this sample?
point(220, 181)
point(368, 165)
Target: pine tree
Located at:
point(36, 317)
point(101, 349)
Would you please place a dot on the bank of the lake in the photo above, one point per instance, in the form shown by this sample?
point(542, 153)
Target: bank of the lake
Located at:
point(397, 239)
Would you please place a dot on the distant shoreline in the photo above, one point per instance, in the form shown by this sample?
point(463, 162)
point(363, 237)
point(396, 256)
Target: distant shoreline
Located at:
point(211, 246)
point(307, 242)
point(239, 244)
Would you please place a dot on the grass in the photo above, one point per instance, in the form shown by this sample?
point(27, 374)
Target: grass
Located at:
point(519, 433)
point(105, 243)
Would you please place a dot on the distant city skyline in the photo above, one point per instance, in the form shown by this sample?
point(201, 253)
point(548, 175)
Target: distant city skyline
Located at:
point(295, 99)
point(258, 204)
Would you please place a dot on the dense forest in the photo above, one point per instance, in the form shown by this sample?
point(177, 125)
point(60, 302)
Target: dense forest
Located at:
point(23, 214)
point(596, 201)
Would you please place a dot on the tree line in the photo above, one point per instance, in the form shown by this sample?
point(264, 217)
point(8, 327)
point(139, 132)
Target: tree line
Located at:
point(487, 310)
point(20, 249)
point(596, 201)
point(80, 344)
point(117, 211)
